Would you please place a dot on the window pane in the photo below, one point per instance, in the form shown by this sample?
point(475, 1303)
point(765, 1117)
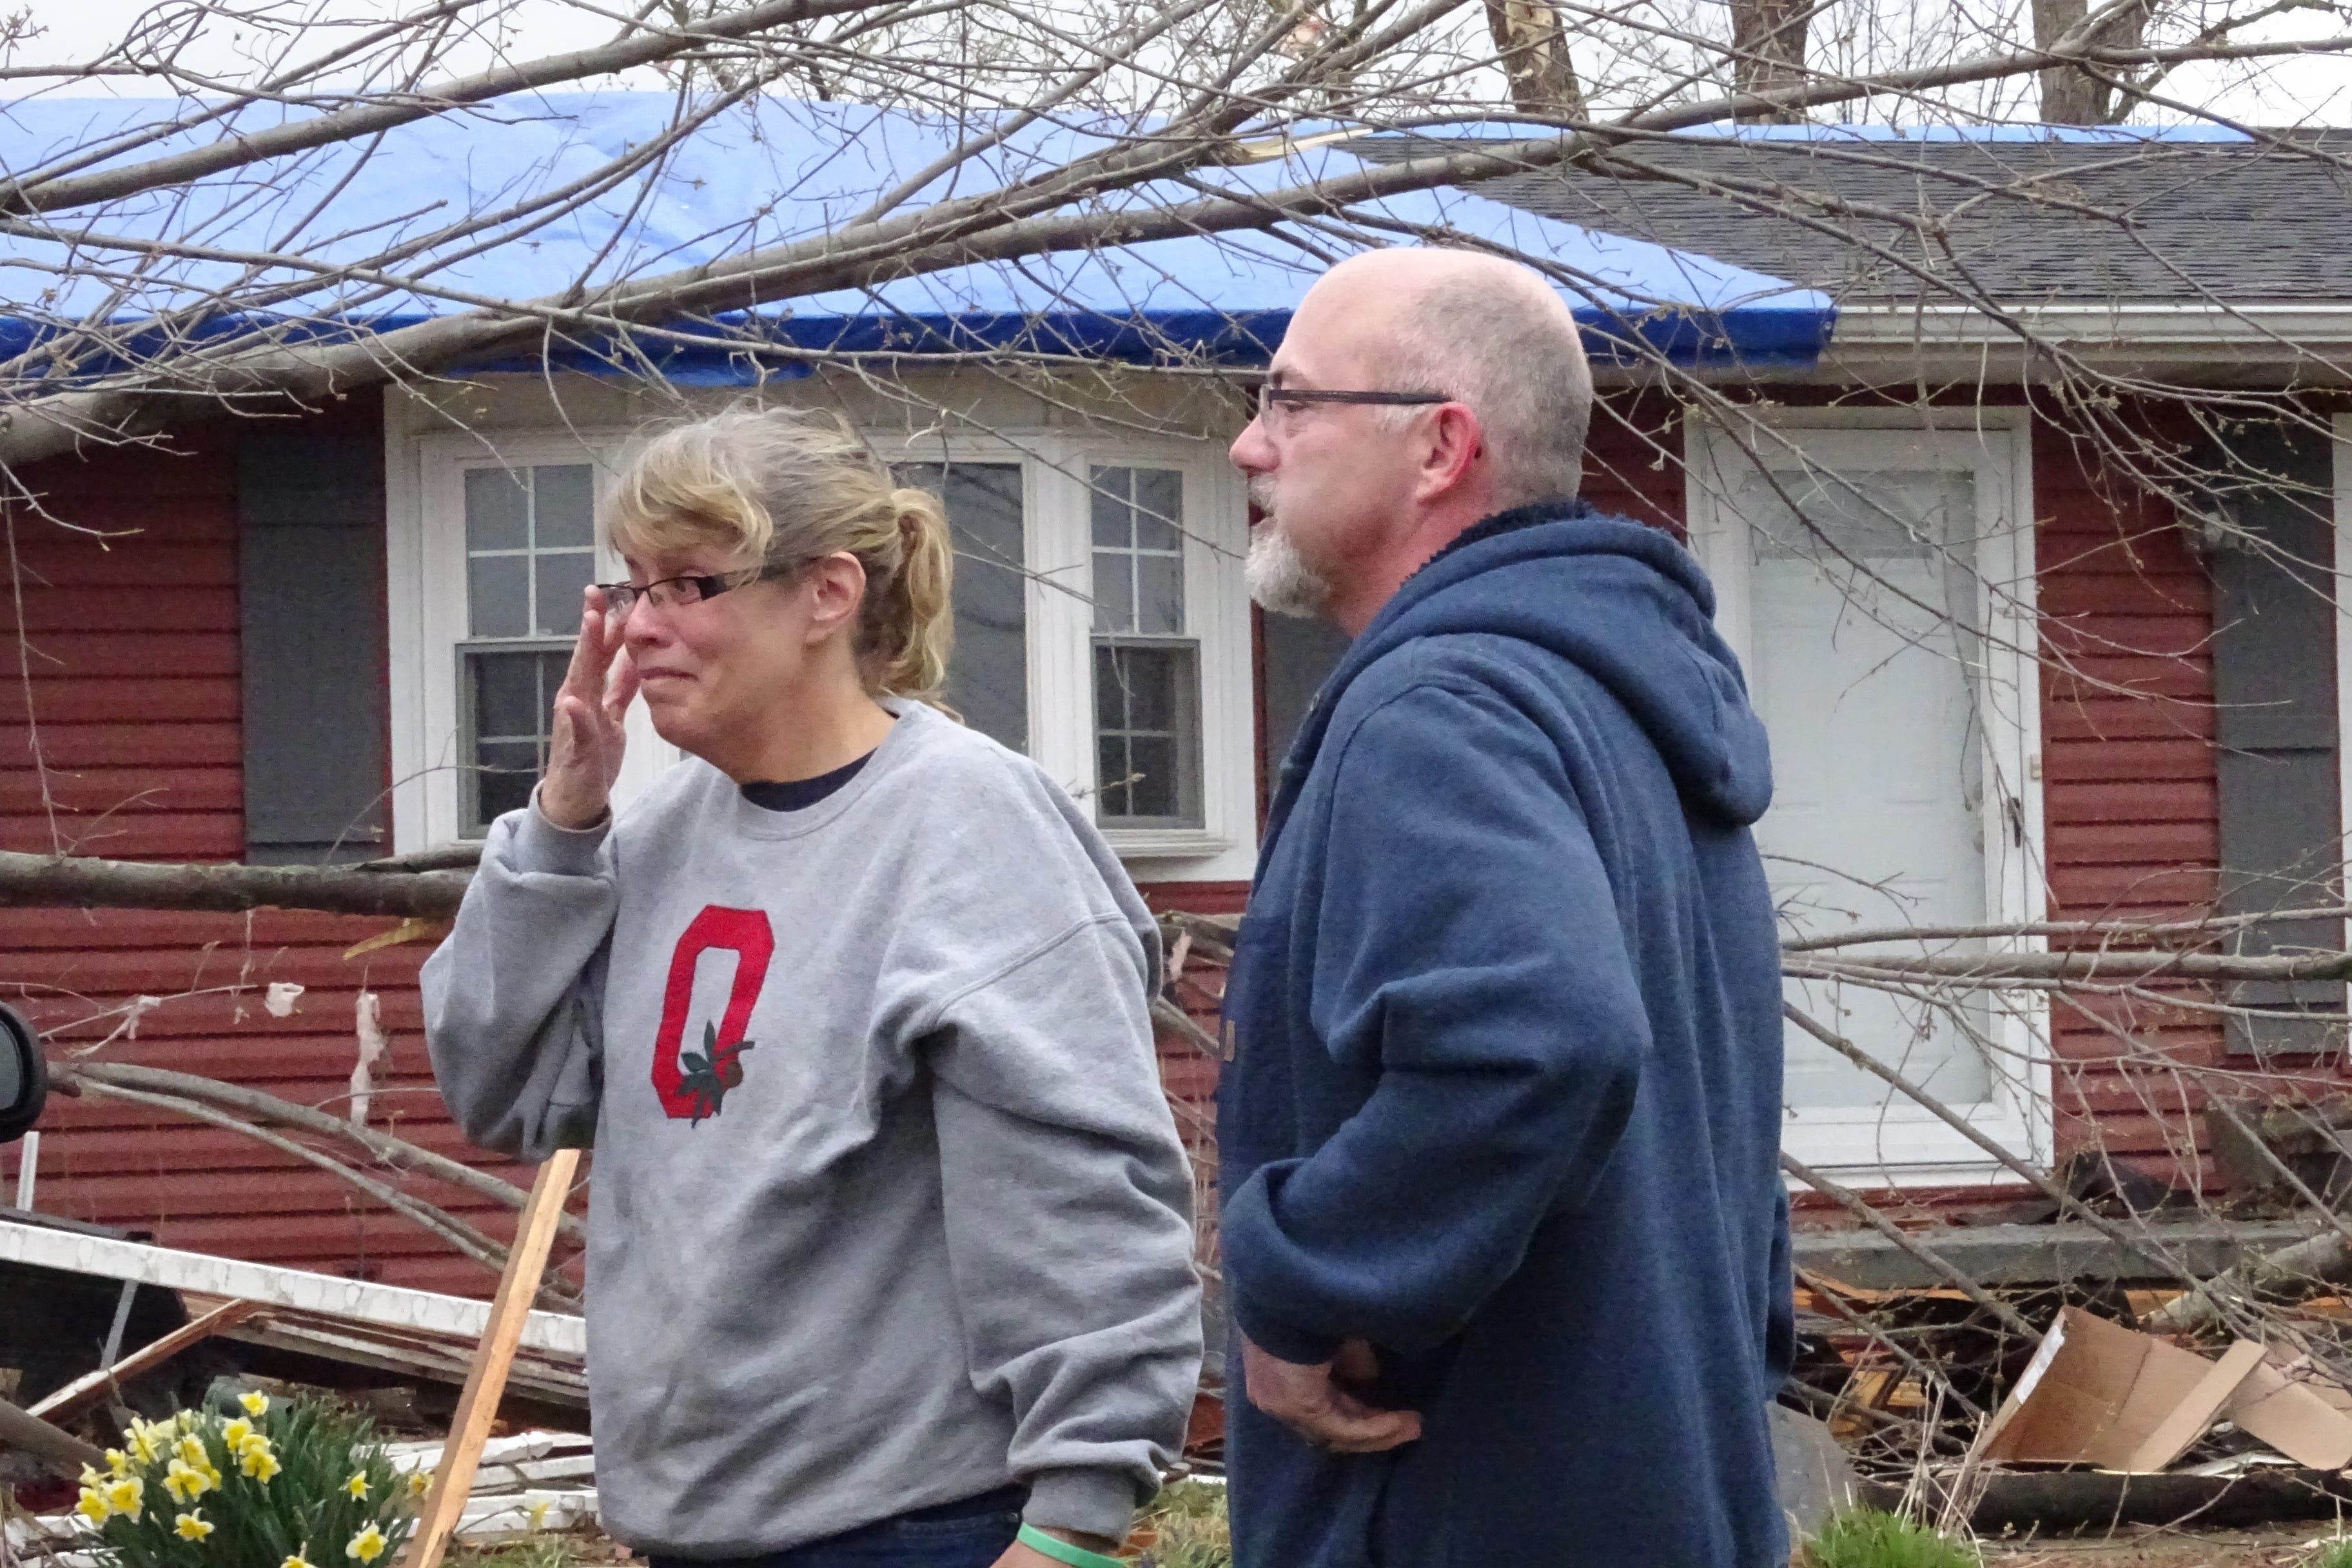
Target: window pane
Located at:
point(1110, 692)
point(563, 505)
point(1159, 507)
point(495, 510)
point(503, 780)
point(506, 694)
point(509, 697)
point(988, 674)
point(1160, 589)
point(1143, 682)
point(1146, 724)
point(1113, 516)
point(1110, 767)
point(1151, 762)
point(1114, 590)
point(561, 575)
point(497, 595)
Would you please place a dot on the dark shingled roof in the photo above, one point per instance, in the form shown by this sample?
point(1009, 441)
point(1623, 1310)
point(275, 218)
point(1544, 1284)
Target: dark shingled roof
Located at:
point(2244, 223)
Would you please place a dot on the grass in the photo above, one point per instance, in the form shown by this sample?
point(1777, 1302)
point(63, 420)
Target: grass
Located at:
point(2336, 1553)
point(1187, 1522)
point(551, 1552)
point(1868, 1538)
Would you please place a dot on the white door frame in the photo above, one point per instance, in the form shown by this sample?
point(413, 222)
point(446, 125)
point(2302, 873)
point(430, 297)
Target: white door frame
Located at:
point(1900, 1143)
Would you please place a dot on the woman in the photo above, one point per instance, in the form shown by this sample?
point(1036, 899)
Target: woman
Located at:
point(889, 1248)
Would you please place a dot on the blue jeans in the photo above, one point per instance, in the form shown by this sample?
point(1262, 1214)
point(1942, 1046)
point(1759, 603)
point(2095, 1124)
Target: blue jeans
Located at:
point(970, 1533)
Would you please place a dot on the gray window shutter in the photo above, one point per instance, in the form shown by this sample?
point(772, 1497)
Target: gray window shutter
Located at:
point(1297, 655)
point(2274, 689)
point(311, 599)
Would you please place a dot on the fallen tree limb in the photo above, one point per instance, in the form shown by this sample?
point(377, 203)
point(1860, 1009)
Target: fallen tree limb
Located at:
point(398, 887)
point(2105, 964)
point(2140, 1247)
point(397, 1152)
point(73, 881)
point(435, 1221)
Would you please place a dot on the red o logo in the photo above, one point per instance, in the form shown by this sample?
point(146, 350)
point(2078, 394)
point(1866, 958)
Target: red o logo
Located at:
point(692, 1082)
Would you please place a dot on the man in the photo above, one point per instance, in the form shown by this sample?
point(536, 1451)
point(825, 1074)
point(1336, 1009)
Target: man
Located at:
point(1505, 1239)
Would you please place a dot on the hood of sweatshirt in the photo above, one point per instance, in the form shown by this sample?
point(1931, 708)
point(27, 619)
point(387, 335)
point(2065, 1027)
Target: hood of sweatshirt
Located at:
point(1626, 603)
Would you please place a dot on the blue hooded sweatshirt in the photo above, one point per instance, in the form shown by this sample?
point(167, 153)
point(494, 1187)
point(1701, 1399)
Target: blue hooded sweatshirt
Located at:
point(1501, 1093)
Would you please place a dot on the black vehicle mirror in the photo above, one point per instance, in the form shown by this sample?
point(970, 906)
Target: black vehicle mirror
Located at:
point(24, 1076)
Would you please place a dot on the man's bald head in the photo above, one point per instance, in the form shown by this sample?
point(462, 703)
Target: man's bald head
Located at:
point(1488, 332)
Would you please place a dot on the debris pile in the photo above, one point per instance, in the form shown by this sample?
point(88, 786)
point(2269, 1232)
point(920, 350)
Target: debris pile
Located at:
point(221, 1329)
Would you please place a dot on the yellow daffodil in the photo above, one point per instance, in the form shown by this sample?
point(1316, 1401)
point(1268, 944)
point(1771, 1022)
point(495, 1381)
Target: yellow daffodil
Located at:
point(538, 1513)
point(191, 1526)
point(142, 1442)
point(126, 1497)
point(92, 1506)
point(184, 1484)
point(118, 1461)
point(294, 1562)
point(357, 1486)
point(257, 1404)
point(259, 1463)
point(251, 1443)
point(419, 1482)
point(235, 1432)
point(191, 1449)
point(367, 1545)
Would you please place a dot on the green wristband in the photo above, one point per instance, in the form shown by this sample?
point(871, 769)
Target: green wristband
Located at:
point(1061, 1551)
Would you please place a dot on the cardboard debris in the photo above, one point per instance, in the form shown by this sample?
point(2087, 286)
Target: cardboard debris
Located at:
point(2295, 1408)
point(2099, 1393)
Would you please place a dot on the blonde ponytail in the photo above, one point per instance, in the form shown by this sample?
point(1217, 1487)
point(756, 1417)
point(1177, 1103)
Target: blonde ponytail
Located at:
point(782, 486)
point(909, 623)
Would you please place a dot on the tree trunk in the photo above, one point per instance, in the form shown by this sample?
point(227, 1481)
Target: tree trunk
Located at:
point(2071, 96)
point(1533, 48)
point(1767, 42)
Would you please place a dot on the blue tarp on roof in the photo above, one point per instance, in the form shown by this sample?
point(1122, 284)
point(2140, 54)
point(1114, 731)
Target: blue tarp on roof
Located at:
point(775, 170)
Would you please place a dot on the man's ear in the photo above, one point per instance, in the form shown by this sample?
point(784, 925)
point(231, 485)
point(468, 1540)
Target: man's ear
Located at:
point(1455, 444)
point(836, 587)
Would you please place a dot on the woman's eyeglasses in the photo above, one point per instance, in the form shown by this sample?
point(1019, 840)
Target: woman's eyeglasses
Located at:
point(674, 592)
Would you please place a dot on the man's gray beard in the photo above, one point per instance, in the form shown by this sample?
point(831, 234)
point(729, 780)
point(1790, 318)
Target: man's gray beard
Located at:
point(1279, 579)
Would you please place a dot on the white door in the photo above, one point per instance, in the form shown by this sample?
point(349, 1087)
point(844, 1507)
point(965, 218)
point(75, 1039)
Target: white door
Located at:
point(1864, 579)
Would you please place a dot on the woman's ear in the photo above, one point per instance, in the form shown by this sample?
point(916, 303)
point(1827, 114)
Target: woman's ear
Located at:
point(836, 587)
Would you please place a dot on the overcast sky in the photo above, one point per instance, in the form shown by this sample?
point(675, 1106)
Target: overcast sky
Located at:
point(2313, 90)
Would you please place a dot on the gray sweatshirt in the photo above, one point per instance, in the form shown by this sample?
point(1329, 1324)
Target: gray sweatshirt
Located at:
point(888, 1209)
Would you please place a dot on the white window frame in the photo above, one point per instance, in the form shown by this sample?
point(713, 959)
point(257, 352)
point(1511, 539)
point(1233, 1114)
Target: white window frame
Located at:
point(2341, 451)
point(1060, 543)
point(426, 588)
point(1900, 1143)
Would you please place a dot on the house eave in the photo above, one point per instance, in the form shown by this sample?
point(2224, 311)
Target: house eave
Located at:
point(2306, 344)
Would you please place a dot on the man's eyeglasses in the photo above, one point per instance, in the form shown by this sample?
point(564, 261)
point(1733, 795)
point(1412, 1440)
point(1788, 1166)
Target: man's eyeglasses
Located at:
point(672, 593)
point(1272, 397)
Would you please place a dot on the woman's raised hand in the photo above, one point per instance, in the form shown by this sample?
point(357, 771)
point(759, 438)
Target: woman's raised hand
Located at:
point(584, 756)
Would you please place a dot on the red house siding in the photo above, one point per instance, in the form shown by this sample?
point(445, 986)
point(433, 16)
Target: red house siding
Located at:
point(122, 679)
point(2129, 793)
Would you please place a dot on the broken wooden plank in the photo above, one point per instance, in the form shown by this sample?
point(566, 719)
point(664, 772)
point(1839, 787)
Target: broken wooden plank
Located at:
point(87, 1390)
point(61, 1451)
point(445, 1505)
point(391, 1306)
